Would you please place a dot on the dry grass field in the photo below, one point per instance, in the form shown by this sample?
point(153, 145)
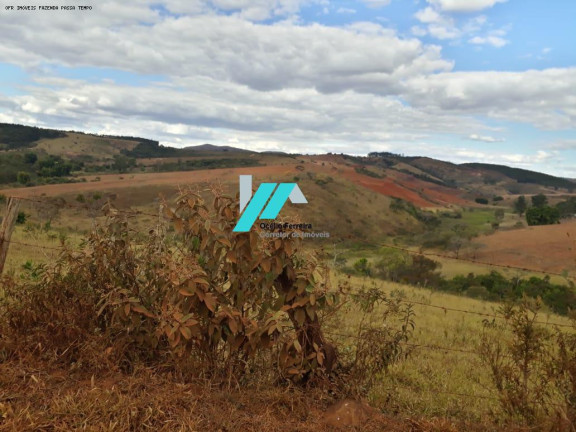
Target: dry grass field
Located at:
point(441, 386)
point(548, 248)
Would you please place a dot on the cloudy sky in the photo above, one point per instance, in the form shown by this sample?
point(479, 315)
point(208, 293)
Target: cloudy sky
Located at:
point(461, 80)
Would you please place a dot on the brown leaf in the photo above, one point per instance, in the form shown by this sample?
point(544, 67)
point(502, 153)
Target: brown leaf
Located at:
point(225, 241)
point(210, 301)
point(142, 310)
point(266, 265)
point(233, 326)
point(187, 292)
point(186, 333)
point(300, 316)
point(178, 225)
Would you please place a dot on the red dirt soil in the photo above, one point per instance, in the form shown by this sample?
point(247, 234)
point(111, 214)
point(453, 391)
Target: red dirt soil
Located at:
point(406, 187)
point(436, 193)
point(549, 248)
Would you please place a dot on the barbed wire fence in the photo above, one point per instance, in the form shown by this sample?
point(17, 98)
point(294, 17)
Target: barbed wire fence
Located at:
point(40, 203)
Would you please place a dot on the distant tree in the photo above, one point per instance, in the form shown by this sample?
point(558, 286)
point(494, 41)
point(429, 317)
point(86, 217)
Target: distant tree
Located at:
point(30, 158)
point(481, 200)
point(122, 163)
point(544, 215)
point(391, 263)
point(422, 272)
point(539, 200)
point(567, 208)
point(23, 178)
point(456, 243)
point(520, 205)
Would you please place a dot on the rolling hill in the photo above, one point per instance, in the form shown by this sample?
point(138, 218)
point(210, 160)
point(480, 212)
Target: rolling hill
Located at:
point(423, 181)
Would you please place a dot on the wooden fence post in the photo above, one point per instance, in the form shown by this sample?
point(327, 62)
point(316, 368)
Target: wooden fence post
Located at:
point(7, 228)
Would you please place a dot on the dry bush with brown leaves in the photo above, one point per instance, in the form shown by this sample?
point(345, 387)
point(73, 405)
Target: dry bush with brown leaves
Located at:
point(202, 302)
point(210, 303)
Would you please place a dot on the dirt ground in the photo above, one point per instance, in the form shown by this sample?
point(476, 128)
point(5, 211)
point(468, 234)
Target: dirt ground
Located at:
point(420, 193)
point(35, 396)
point(548, 248)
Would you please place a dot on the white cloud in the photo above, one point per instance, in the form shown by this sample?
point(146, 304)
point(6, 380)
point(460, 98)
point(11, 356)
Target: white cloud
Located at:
point(344, 10)
point(418, 31)
point(566, 144)
point(464, 5)
point(363, 57)
point(376, 3)
point(429, 15)
point(485, 138)
point(195, 110)
point(443, 32)
point(495, 41)
point(441, 25)
point(545, 98)
point(514, 159)
point(283, 85)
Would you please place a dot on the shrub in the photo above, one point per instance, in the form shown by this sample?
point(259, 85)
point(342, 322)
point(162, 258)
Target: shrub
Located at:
point(30, 158)
point(539, 200)
point(23, 177)
point(478, 291)
point(216, 308)
point(21, 218)
point(520, 205)
point(516, 363)
point(543, 215)
point(481, 200)
point(362, 267)
point(534, 369)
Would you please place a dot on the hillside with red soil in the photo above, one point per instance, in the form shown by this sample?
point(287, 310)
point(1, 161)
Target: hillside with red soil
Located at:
point(408, 188)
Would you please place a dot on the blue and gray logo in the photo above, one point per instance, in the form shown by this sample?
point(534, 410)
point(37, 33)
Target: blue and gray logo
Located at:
point(261, 205)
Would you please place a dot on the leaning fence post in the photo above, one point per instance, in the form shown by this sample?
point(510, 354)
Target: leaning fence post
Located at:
point(7, 228)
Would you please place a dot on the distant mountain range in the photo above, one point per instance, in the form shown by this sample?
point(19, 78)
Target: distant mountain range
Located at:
point(479, 178)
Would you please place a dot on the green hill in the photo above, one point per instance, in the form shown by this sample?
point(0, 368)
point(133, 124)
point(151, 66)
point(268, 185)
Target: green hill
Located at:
point(525, 176)
point(13, 136)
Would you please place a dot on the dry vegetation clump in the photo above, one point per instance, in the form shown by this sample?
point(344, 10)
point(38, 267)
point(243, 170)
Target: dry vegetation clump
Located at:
point(35, 396)
point(533, 369)
point(202, 305)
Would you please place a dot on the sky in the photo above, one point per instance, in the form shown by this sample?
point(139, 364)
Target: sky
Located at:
point(460, 80)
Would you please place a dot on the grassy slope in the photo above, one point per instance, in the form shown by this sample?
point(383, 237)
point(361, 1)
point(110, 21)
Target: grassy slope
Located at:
point(420, 385)
point(76, 144)
point(429, 384)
